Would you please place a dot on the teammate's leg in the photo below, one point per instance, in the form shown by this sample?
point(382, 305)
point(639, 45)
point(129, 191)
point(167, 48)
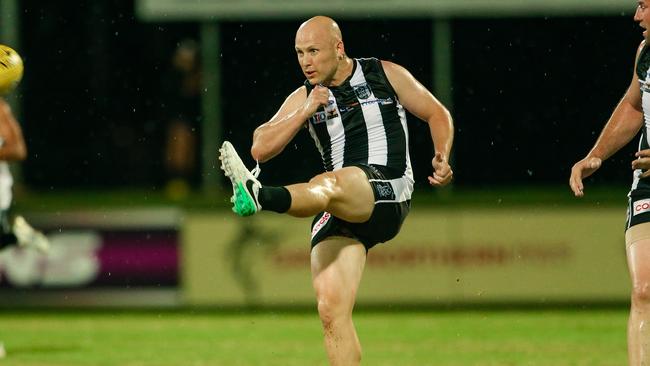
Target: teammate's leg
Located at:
point(337, 265)
point(637, 239)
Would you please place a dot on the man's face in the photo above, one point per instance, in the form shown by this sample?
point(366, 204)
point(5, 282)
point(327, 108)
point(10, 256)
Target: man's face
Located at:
point(642, 15)
point(317, 55)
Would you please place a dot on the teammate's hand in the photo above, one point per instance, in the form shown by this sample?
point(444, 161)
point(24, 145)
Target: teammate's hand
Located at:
point(642, 162)
point(442, 172)
point(580, 171)
point(318, 97)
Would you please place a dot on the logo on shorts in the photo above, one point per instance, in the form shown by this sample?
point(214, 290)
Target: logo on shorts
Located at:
point(319, 225)
point(385, 191)
point(362, 91)
point(640, 207)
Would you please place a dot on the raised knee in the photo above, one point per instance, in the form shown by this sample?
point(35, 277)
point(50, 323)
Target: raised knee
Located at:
point(327, 181)
point(325, 186)
point(641, 293)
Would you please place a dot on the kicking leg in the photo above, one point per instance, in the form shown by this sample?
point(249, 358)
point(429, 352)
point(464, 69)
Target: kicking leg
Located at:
point(337, 265)
point(345, 193)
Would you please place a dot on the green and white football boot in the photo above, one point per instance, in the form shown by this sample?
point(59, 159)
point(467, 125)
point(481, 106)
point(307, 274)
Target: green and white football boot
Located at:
point(245, 185)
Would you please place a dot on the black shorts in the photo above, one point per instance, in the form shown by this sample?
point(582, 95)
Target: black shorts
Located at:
point(392, 204)
point(638, 208)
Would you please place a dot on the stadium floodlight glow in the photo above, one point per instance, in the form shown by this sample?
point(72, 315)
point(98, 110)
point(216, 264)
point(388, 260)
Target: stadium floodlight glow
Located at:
point(176, 10)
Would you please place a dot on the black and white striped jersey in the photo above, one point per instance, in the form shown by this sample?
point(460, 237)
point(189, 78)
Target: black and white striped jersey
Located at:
point(363, 123)
point(642, 71)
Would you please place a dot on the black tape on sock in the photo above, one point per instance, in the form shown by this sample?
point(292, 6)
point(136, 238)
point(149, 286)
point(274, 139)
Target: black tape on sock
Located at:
point(277, 199)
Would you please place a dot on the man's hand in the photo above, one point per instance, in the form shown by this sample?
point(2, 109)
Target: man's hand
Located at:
point(582, 170)
point(642, 162)
point(442, 172)
point(318, 97)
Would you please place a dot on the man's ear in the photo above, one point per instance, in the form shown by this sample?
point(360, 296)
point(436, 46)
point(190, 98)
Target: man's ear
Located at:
point(340, 50)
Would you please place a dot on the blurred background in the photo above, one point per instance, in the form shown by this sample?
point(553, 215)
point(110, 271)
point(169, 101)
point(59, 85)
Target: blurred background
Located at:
point(124, 103)
point(529, 93)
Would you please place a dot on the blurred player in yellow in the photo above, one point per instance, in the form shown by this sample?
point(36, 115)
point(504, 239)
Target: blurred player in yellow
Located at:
point(12, 148)
point(631, 115)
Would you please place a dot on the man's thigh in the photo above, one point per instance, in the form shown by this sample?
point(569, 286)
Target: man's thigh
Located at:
point(637, 243)
point(337, 265)
point(354, 199)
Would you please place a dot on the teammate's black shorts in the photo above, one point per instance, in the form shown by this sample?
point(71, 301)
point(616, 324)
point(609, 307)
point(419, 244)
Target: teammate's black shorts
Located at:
point(638, 208)
point(392, 204)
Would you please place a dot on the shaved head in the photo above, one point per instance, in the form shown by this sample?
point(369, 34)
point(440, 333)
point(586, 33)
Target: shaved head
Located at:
point(321, 26)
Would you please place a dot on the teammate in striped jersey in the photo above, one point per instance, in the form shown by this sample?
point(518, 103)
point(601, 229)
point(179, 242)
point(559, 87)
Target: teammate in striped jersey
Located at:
point(631, 115)
point(355, 111)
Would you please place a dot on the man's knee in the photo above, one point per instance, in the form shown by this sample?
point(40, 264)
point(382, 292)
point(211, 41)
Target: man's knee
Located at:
point(327, 184)
point(340, 179)
point(333, 303)
point(325, 179)
point(329, 310)
point(641, 293)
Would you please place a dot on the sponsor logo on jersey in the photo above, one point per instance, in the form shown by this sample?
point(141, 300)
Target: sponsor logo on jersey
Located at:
point(352, 106)
point(640, 207)
point(347, 108)
point(329, 112)
point(386, 101)
point(318, 117)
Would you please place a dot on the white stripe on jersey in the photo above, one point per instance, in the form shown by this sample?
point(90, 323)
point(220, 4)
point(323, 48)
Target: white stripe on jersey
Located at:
point(377, 141)
point(336, 131)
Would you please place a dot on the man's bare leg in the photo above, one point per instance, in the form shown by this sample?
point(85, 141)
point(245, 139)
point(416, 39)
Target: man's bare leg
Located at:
point(637, 240)
point(345, 193)
point(337, 265)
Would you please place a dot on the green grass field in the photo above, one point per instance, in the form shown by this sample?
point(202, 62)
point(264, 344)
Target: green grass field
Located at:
point(445, 338)
point(497, 337)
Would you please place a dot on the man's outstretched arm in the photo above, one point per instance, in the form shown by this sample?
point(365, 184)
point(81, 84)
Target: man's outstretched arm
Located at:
point(422, 104)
